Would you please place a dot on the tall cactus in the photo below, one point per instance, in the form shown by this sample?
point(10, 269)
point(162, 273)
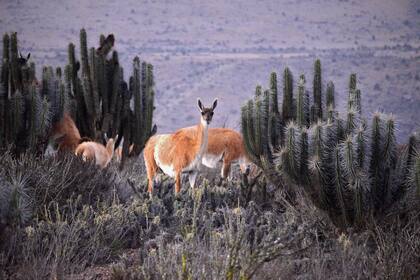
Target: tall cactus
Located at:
point(330, 95)
point(302, 104)
point(135, 88)
point(255, 123)
point(317, 91)
point(89, 92)
point(5, 63)
point(4, 89)
point(3, 121)
point(14, 67)
point(354, 96)
point(275, 125)
point(141, 88)
point(288, 113)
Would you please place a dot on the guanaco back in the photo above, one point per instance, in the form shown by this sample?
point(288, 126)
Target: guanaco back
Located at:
point(224, 145)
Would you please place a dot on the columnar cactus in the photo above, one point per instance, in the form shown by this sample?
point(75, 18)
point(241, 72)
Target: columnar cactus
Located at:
point(354, 98)
point(330, 95)
point(317, 91)
point(288, 112)
point(255, 123)
point(302, 104)
point(5, 62)
point(352, 85)
point(275, 125)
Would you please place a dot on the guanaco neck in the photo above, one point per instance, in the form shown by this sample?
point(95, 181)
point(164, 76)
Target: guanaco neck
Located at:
point(202, 135)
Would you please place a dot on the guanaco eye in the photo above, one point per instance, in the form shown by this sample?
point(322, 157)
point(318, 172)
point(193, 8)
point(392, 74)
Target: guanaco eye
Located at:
point(211, 114)
point(202, 113)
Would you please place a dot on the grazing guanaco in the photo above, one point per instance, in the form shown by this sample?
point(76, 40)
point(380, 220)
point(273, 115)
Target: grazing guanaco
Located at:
point(66, 134)
point(93, 151)
point(179, 152)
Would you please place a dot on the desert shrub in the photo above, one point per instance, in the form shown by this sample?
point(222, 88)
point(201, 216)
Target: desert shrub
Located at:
point(299, 243)
point(210, 232)
point(42, 182)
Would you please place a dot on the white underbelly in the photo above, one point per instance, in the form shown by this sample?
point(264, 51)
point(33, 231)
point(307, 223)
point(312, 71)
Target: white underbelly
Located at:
point(168, 169)
point(211, 160)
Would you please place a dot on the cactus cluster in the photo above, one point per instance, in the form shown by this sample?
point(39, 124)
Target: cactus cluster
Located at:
point(92, 90)
point(103, 100)
point(26, 109)
point(353, 177)
point(262, 123)
point(348, 168)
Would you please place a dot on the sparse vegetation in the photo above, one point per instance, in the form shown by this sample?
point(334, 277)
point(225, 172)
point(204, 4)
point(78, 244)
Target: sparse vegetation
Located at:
point(211, 232)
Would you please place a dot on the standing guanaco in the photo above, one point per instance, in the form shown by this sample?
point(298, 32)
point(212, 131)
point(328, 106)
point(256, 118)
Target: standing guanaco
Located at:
point(179, 152)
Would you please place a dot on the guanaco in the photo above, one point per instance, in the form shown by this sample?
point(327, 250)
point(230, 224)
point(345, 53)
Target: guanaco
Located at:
point(179, 152)
point(66, 134)
point(93, 151)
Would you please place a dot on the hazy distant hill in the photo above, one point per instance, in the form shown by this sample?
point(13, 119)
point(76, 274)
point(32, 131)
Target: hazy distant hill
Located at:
point(224, 48)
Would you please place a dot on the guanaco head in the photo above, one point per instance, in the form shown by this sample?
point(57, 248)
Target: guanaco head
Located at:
point(206, 113)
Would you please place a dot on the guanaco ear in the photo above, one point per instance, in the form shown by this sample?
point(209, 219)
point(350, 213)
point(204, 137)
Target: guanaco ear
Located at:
point(200, 105)
point(29, 55)
point(20, 54)
point(214, 104)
